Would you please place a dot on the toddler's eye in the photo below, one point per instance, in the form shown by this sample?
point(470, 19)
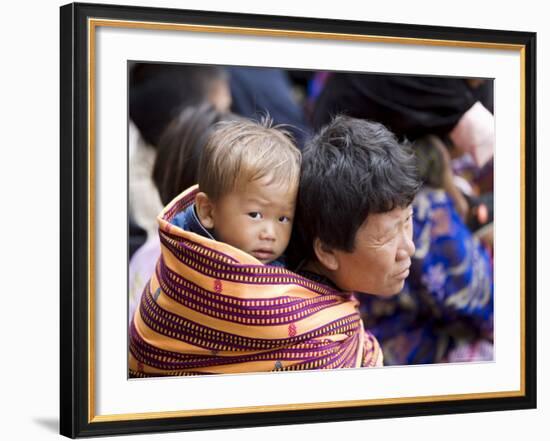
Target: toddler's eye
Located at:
point(255, 215)
point(284, 219)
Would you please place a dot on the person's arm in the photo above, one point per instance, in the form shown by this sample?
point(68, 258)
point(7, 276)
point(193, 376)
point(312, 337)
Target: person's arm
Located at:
point(475, 134)
point(450, 264)
point(458, 275)
point(448, 181)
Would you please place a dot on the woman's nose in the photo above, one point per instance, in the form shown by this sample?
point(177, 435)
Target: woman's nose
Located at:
point(407, 247)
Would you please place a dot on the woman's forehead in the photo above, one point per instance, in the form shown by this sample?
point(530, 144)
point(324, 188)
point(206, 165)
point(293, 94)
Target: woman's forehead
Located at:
point(379, 223)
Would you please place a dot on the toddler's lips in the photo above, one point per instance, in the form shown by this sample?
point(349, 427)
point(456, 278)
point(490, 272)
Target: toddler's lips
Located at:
point(263, 254)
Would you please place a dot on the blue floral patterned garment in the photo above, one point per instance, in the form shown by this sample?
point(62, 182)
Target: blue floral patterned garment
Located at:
point(447, 300)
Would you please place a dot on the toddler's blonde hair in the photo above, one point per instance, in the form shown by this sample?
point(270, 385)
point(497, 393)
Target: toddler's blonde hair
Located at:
point(239, 152)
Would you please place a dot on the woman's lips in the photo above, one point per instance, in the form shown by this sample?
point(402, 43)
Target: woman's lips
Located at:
point(403, 274)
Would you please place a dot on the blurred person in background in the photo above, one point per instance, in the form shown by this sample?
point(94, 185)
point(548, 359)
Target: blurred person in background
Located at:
point(175, 169)
point(157, 93)
point(458, 109)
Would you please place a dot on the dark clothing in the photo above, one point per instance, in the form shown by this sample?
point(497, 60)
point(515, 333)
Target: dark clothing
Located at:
point(187, 220)
point(318, 278)
point(410, 106)
point(257, 91)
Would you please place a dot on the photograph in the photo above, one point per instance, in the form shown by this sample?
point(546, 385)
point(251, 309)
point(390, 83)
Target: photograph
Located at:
point(236, 172)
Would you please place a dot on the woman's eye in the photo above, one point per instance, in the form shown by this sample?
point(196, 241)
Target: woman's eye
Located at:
point(255, 215)
point(409, 220)
point(284, 219)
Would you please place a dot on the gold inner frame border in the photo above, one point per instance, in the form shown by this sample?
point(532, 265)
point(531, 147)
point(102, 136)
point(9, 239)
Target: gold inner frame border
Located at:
point(261, 32)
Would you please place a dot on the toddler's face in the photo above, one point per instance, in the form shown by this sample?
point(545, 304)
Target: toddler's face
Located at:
point(256, 218)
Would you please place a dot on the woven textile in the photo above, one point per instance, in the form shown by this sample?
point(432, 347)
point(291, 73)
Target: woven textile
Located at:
point(210, 309)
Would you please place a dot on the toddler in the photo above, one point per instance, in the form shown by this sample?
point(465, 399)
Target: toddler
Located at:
point(247, 185)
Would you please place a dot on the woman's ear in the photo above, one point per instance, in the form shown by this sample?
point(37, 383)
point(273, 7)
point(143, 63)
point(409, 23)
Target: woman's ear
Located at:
point(325, 255)
point(205, 210)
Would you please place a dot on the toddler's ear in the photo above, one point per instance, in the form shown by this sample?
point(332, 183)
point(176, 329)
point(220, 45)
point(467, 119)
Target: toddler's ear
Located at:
point(205, 210)
point(325, 255)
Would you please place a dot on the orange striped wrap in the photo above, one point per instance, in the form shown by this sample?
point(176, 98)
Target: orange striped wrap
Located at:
point(212, 309)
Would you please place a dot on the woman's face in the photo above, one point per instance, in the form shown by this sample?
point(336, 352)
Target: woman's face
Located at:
point(380, 261)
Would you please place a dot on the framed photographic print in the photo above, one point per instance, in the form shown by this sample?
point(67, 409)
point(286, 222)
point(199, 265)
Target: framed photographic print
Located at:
point(170, 321)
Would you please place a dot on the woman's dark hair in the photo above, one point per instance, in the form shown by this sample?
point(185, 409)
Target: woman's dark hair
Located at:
point(350, 169)
point(159, 91)
point(180, 147)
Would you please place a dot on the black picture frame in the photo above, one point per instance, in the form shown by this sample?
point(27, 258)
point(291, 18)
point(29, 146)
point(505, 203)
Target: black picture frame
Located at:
point(76, 417)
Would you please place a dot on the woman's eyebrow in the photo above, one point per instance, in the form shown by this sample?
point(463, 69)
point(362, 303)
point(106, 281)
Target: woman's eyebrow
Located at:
point(391, 229)
point(384, 233)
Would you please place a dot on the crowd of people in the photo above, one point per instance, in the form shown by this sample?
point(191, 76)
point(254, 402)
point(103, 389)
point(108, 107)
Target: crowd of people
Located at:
point(288, 220)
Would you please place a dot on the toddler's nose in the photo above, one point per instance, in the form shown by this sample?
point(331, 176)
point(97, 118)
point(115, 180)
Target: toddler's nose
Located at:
point(268, 232)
